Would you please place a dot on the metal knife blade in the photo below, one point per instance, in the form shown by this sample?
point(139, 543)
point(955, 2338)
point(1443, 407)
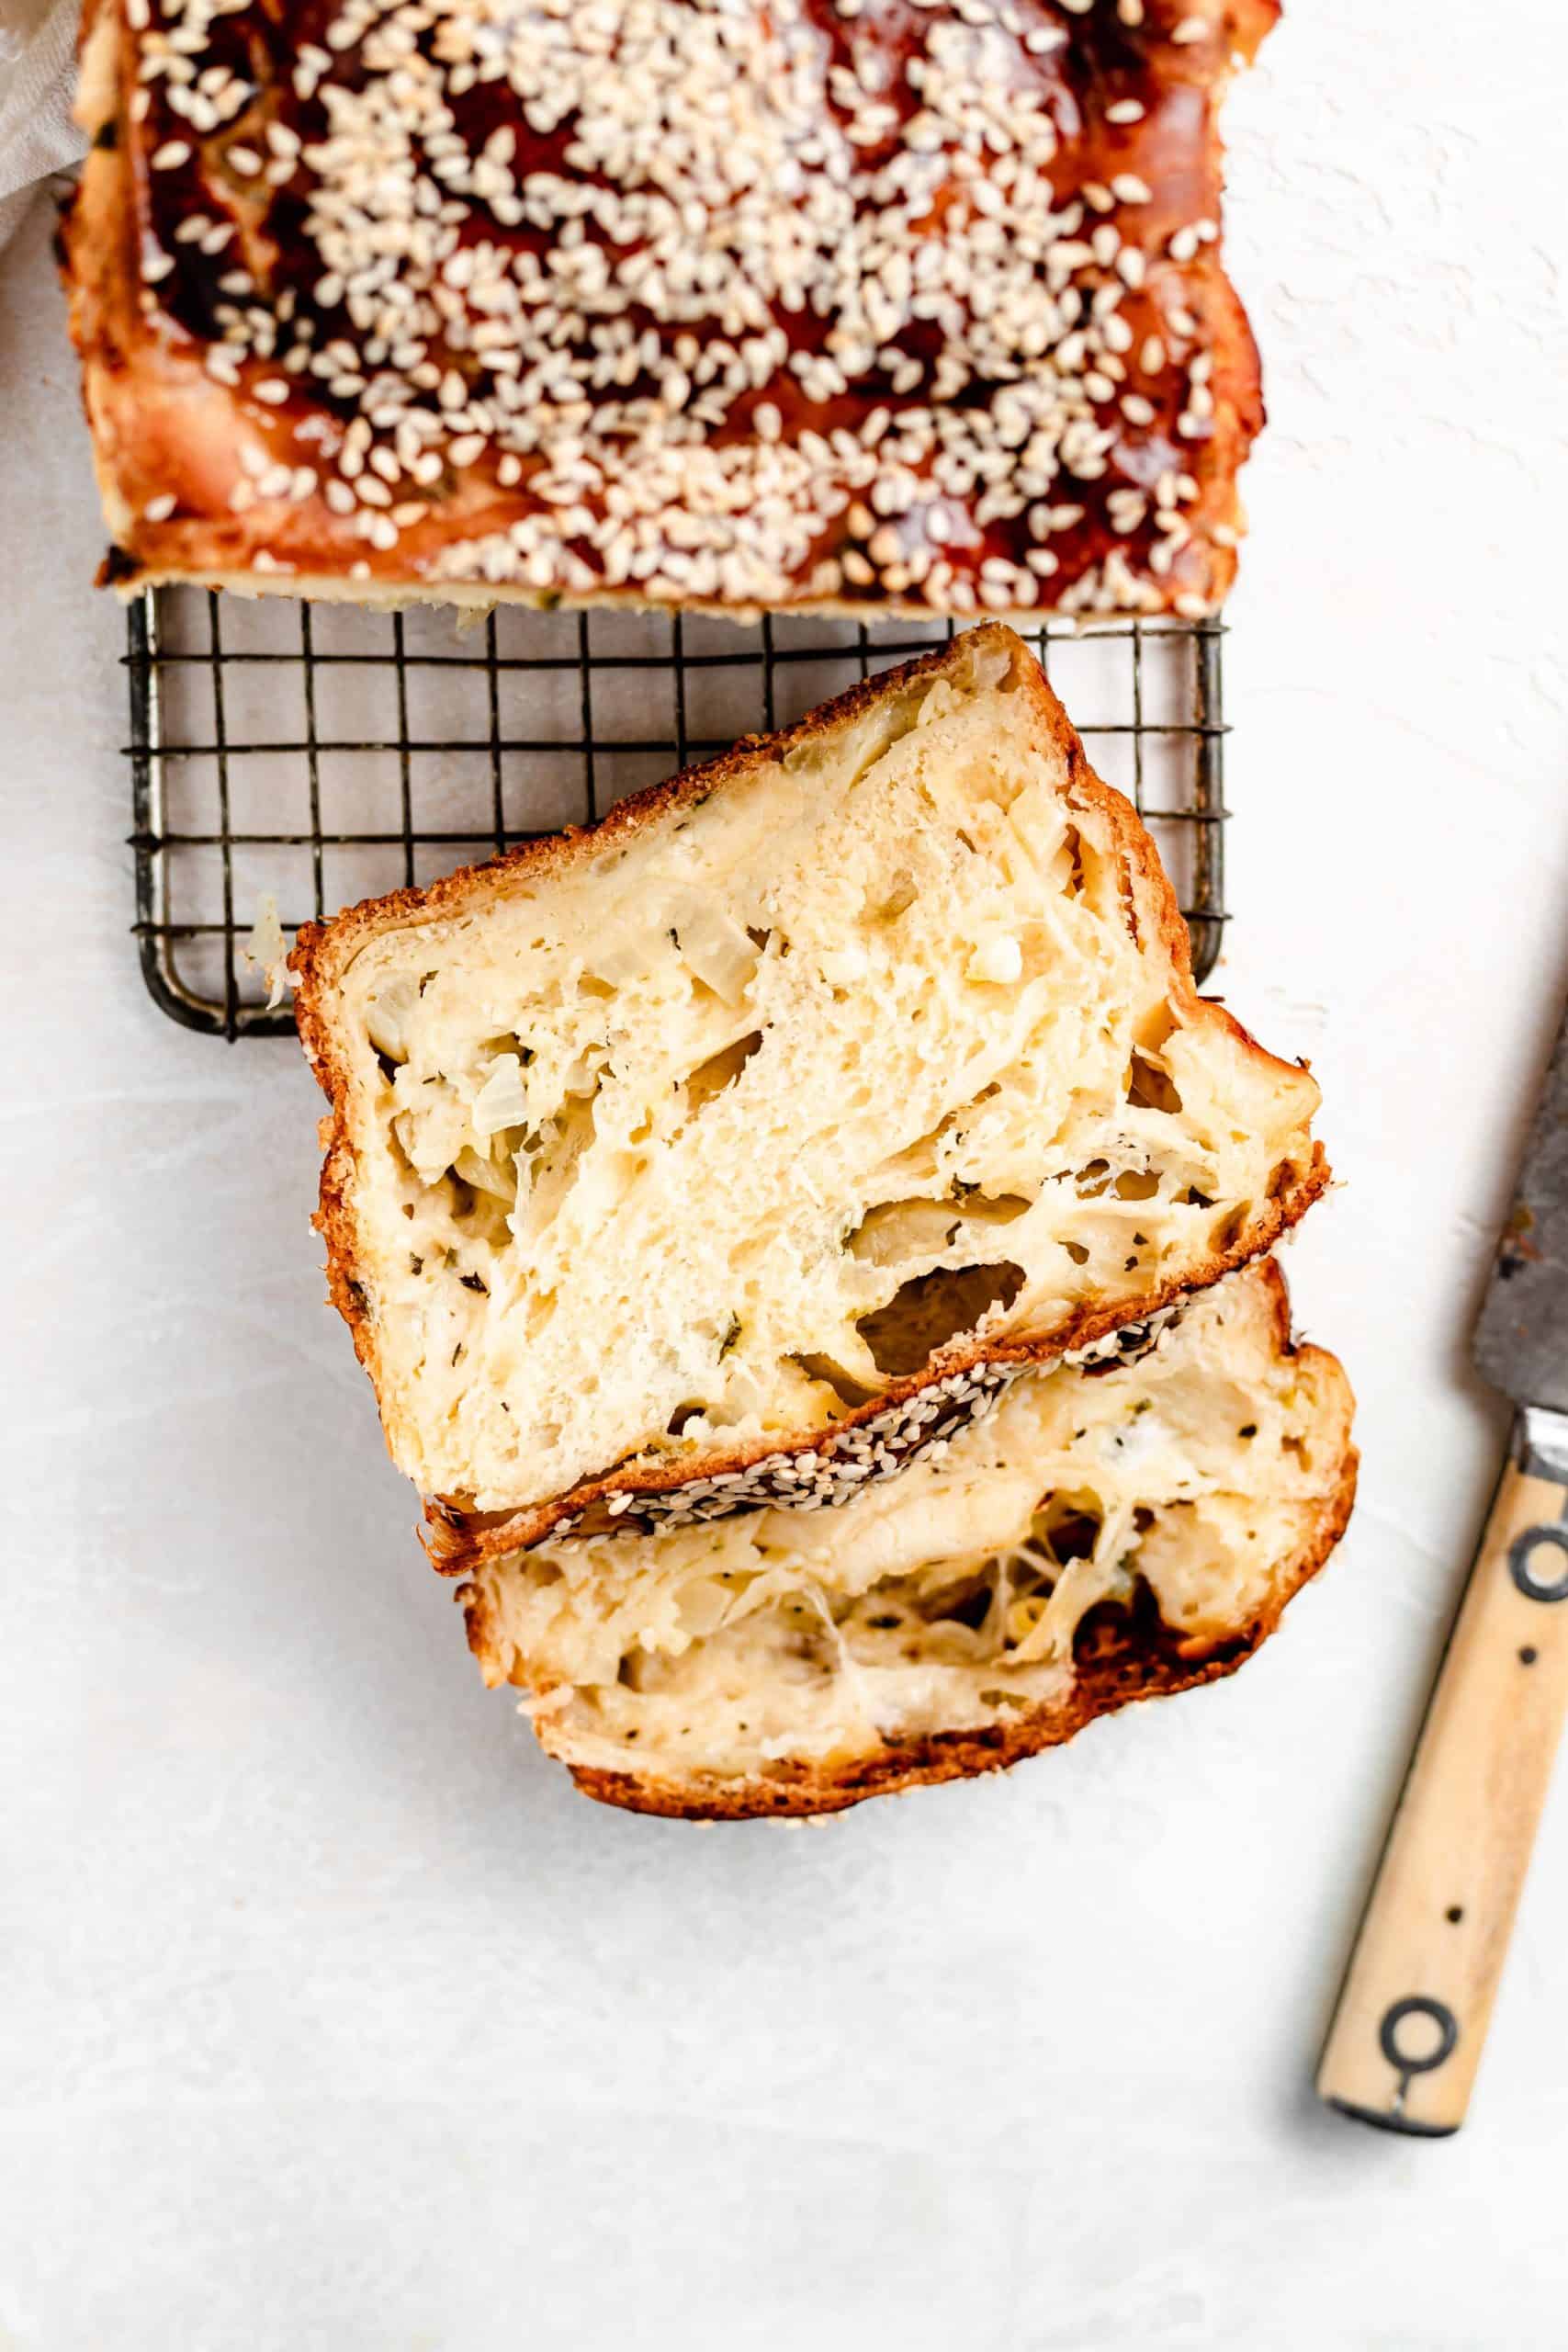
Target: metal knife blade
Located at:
point(1521, 1335)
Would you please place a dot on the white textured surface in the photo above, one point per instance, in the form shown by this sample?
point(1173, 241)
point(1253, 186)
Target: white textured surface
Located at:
point(332, 2019)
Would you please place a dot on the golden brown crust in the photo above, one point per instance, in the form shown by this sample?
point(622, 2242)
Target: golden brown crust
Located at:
point(456, 1537)
point(1121, 1657)
point(148, 304)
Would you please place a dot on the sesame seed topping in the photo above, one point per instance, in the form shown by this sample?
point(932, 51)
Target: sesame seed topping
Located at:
point(705, 303)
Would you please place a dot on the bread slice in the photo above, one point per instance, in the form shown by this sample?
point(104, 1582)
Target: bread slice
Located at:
point(740, 1147)
point(1101, 1537)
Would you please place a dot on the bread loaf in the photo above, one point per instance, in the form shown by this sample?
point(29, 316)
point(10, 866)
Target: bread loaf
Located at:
point(816, 307)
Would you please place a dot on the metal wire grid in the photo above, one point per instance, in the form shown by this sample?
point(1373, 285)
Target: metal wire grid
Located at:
point(319, 754)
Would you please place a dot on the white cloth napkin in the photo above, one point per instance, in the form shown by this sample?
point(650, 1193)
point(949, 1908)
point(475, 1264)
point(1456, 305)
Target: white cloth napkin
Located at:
point(38, 74)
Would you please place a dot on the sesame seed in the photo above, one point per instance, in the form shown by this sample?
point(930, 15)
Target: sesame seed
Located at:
point(1190, 28)
point(170, 155)
point(158, 510)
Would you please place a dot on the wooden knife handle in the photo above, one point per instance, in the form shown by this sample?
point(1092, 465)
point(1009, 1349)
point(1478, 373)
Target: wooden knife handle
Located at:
point(1412, 2017)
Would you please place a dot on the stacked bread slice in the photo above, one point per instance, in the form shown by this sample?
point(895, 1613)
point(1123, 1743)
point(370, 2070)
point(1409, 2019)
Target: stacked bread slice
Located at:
point(697, 1183)
point(1094, 1540)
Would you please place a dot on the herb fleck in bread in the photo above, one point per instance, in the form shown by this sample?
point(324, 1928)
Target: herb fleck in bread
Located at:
point(737, 1148)
point(1100, 1538)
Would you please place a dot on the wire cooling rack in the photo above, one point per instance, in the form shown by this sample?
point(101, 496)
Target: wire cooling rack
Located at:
point(312, 755)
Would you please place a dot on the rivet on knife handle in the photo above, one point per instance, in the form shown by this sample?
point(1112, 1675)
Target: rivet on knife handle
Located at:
point(1413, 2013)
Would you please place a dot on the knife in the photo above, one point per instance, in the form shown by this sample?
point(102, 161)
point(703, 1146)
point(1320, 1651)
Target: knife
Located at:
point(1412, 2012)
